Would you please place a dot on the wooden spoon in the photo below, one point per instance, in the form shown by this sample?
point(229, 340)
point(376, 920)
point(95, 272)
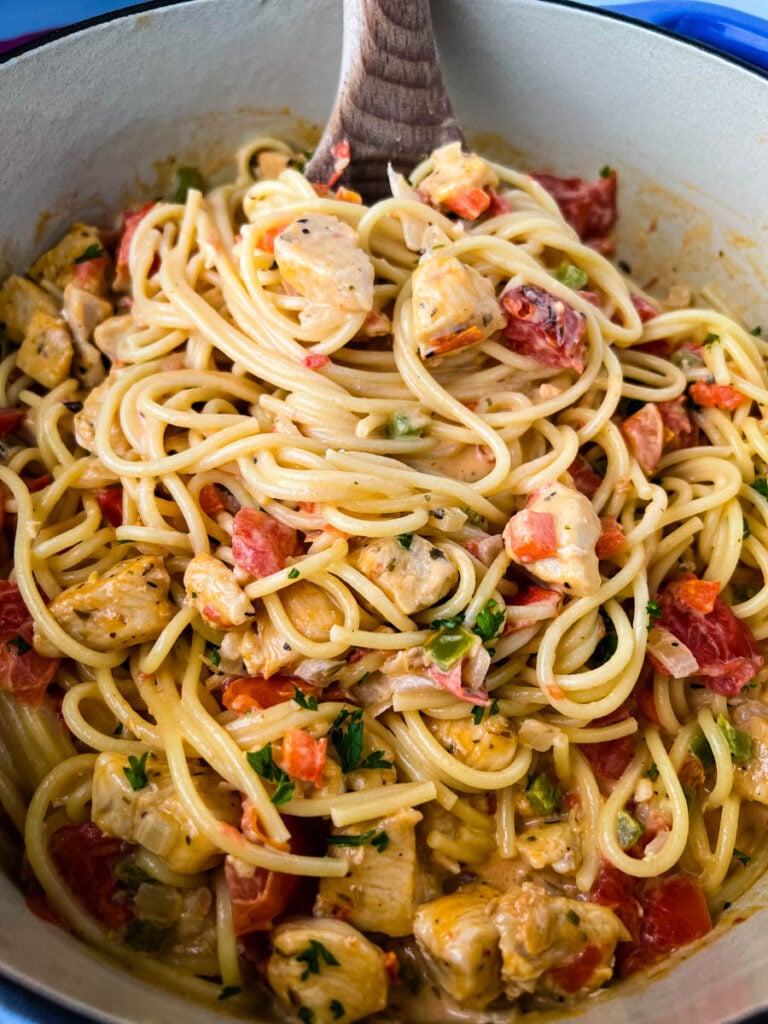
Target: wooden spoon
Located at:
point(391, 104)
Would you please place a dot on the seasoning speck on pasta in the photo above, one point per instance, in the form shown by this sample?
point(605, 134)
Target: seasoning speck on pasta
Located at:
point(383, 592)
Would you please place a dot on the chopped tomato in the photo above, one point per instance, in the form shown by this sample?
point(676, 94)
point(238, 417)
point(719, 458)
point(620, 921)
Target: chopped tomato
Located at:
point(585, 479)
point(610, 759)
point(644, 434)
point(469, 203)
point(533, 595)
point(717, 396)
point(10, 419)
point(697, 594)
point(110, 501)
point(348, 195)
point(498, 204)
point(314, 360)
point(131, 220)
point(23, 672)
point(679, 430)
point(214, 499)
point(588, 206)
point(618, 891)
point(342, 155)
point(644, 696)
point(303, 756)
point(543, 327)
point(575, 972)
point(91, 275)
point(530, 535)
point(611, 537)
point(267, 240)
point(257, 898)
point(36, 483)
point(85, 858)
point(727, 654)
point(260, 543)
point(674, 913)
point(645, 309)
point(391, 966)
point(254, 693)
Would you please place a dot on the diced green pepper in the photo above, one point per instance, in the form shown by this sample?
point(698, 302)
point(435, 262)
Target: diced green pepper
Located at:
point(448, 645)
point(628, 830)
point(739, 743)
point(701, 748)
point(404, 424)
point(543, 796)
point(571, 276)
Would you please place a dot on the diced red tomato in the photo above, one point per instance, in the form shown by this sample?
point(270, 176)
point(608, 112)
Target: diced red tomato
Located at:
point(543, 327)
point(530, 535)
point(618, 891)
point(259, 898)
point(674, 913)
point(315, 360)
point(23, 672)
point(348, 195)
point(131, 220)
point(36, 483)
point(575, 972)
point(717, 396)
point(469, 203)
point(86, 859)
point(498, 204)
point(267, 240)
point(644, 696)
point(645, 309)
point(260, 543)
point(532, 595)
point(660, 347)
point(91, 275)
point(727, 654)
point(585, 479)
point(342, 156)
point(451, 681)
point(588, 206)
point(644, 434)
point(214, 499)
point(697, 594)
point(609, 760)
point(254, 693)
point(10, 419)
point(611, 537)
point(110, 501)
point(303, 756)
point(679, 430)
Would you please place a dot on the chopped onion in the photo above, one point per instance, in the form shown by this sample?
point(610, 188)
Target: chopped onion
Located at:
point(318, 671)
point(538, 735)
point(671, 654)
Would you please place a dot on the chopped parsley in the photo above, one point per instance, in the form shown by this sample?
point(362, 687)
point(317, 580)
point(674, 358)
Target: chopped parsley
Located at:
point(654, 612)
point(403, 424)
point(711, 339)
point(606, 172)
point(478, 711)
point(311, 957)
point(19, 643)
point(652, 773)
point(308, 703)
point(136, 772)
point(761, 486)
point(740, 855)
point(745, 530)
point(606, 647)
point(263, 764)
point(186, 178)
point(93, 252)
point(375, 759)
point(336, 1008)
point(347, 738)
point(490, 621)
point(293, 574)
point(405, 540)
point(129, 873)
point(378, 840)
point(573, 917)
point(305, 1015)
point(215, 657)
point(144, 936)
point(756, 331)
point(700, 748)
point(475, 518)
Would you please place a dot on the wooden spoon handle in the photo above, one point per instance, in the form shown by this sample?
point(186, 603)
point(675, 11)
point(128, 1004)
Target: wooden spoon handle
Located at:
point(391, 104)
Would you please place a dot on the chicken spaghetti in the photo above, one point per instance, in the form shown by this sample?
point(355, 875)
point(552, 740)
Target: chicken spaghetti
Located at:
point(383, 591)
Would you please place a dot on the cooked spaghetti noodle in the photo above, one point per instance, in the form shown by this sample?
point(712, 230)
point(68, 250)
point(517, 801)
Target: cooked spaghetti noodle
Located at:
point(409, 550)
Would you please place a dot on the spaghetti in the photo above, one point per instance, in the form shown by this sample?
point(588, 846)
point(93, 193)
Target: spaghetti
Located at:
point(410, 551)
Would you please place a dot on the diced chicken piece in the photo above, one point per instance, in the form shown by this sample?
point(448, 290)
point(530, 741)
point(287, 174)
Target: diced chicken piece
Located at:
point(455, 174)
point(552, 944)
point(554, 845)
point(320, 257)
point(108, 334)
point(750, 778)
point(265, 650)
point(47, 350)
point(213, 590)
point(154, 815)
point(461, 943)
point(57, 266)
point(413, 578)
point(328, 968)
point(20, 299)
point(83, 312)
point(126, 605)
point(490, 746)
point(377, 893)
point(573, 568)
point(85, 420)
point(453, 306)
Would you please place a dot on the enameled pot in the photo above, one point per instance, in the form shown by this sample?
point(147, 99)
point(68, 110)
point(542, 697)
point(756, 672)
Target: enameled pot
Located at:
point(93, 119)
